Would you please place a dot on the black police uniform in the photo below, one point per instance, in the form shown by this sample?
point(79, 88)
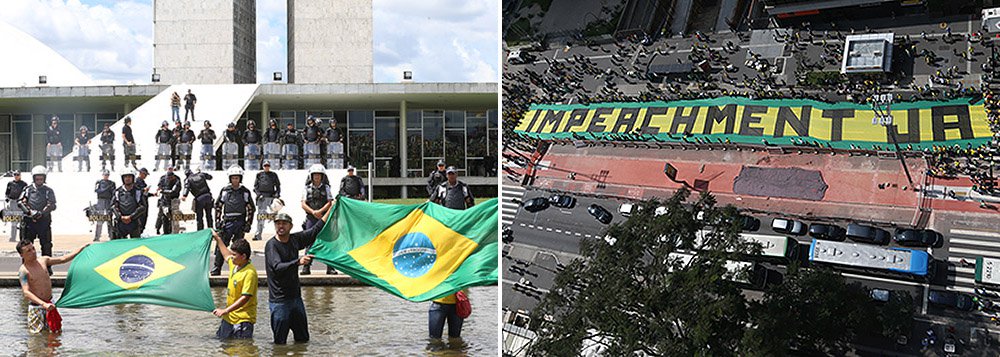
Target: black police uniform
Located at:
point(38, 202)
point(197, 185)
point(170, 189)
point(234, 212)
point(129, 202)
point(456, 197)
point(353, 187)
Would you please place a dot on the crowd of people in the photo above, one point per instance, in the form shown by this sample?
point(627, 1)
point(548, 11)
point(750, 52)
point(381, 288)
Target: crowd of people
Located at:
point(288, 148)
point(126, 207)
point(562, 81)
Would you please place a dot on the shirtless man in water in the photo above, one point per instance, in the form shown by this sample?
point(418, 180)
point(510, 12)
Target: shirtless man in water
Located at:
point(37, 287)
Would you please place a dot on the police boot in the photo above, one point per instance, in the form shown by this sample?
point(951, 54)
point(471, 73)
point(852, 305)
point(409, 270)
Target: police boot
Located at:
point(306, 270)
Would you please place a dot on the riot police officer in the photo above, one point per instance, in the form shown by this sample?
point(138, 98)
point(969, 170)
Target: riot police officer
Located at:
point(140, 182)
point(251, 150)
point(53, 146)
point(334, 146)
point(272, 143)
point(453, 193)
point(312, 138)
point(316, 201)
point(105, 190)
point(197, 184)
point(129, 205)
point(82, 142)
point(38, 201)
point(185, 143)
point(230, 146)
point(233, 212)
point(207, 137)
point(164, 144)
point(436, 177)
point(169, 189)
point(267, 186)
point(351, 185)
point(107, 147)
point(290, 140)
point(12, 213)
point(128, 142)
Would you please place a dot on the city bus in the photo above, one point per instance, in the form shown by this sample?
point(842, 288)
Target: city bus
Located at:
point(874, 259)
point(776, 248)
point(988, 271)
point(747, 274)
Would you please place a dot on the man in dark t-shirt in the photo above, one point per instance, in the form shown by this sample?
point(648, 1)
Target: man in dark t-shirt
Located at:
point(128, 141)
point(281, 256)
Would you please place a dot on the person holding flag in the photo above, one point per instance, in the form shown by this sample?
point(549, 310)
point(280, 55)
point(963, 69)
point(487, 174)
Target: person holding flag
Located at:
point(240, 313)
point(453, 194)
point(36, 285)
point(281, 256)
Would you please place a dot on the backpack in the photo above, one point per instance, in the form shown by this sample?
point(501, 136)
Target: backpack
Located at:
point(462, 307)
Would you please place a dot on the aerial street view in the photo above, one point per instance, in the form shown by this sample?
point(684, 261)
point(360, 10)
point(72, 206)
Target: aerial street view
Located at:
point(750, 178)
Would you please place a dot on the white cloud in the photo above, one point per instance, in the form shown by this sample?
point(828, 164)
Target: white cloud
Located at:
point(110, 44)
point(439, 40)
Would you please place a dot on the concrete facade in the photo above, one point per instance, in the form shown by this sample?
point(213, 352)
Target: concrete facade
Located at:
point(205, 42)
point(330, 41)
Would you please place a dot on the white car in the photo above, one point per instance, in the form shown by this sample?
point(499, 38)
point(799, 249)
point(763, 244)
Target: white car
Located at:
point(627, 209)
point(660, 211)
point(789, 226)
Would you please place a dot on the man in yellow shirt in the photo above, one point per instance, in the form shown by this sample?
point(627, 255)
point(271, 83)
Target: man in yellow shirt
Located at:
point(240, 313)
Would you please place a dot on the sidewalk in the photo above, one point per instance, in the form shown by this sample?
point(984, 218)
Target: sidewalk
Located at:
point(853, 182)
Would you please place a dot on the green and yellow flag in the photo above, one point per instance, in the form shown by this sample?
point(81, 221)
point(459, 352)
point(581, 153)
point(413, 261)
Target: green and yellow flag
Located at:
point(170, 270)
point(417, 252)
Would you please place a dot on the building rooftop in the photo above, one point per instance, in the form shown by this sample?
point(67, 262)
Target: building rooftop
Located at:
point(867, 53)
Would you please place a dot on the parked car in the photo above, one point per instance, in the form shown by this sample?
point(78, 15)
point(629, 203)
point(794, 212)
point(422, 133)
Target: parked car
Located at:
point(867, 234)
point(508, 235)
point(600, 213)
point(660, 211)
point(789, 226)
point(918, 238)
point(562, 201)
point(826, 231)
point(951, 300)
point(880, 295)
point(748, 223)
point(627, 209)
point(520, 57)
point(536, 204)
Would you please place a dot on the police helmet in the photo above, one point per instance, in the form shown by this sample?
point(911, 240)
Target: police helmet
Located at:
point(316, 169)
point(105, 172)
point(128, 171)
point(165, 123)
point(234, 170)
point(208, 123)
point(231, 125)
point(84, 128)
point(38, 170)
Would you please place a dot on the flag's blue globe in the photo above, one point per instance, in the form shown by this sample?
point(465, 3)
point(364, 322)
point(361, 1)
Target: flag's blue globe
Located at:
point(414, 255)
point(136, 268)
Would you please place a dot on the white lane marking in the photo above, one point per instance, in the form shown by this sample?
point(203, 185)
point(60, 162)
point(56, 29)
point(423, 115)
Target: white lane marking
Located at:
point(962, 270)
point(961, 288)
point(559, 231)
point(975, 252)
point(961, 279)
point(588, 236)
point(983, 243)
point(577, 234)
point(569, 233)
point(531, 226)
point(976, 233)
point(548, 229)
point(885, 280)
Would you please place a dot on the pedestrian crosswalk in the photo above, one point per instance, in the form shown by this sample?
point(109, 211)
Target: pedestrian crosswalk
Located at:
point(964, 246)
point(510, 202)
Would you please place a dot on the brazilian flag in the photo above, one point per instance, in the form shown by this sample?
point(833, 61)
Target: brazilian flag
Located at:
point(169, 270)
point(417, 252)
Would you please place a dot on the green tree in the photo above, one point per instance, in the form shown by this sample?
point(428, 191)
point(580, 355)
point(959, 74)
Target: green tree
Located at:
point(629, 298)
point(812, 310)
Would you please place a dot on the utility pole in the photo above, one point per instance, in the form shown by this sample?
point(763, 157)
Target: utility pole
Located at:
point(881, 104)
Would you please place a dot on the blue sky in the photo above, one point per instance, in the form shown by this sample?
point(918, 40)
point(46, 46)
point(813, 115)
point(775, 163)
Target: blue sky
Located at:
point(111, 41)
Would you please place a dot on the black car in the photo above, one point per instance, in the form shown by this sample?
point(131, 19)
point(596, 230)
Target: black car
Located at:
point(826, 231)
point(601, 214)
point(951, 300)
point(867, 234)
point(536, 204)
point(918, 238)
point(562, 201)
point(508, 235)
point(748, 223)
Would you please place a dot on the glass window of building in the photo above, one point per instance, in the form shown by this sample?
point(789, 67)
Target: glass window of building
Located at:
point(387, 144)
point(454, 119)
point(433, 135)
point(358, 119)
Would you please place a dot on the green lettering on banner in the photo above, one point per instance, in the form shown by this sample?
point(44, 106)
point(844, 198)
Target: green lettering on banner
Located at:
point(716, 115)
point(687, 120)
point(799, 124)
point(749, 117)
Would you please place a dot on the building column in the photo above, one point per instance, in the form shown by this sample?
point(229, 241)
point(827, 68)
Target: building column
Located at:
point(402, 146)
point(265, 116)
